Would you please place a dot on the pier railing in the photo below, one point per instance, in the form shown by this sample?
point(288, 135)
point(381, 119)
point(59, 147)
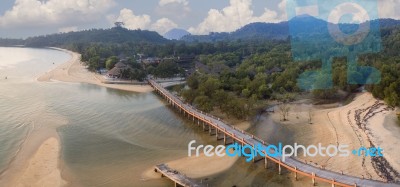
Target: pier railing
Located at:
point(240, 136)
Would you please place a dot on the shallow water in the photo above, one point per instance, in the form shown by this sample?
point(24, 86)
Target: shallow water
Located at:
point(108, 137)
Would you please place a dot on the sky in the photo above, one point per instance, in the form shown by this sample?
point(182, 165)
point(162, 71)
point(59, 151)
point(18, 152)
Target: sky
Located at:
point(24, 18)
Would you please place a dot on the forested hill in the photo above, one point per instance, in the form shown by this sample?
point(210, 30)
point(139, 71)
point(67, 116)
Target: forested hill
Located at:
point(279, 31)
point(118, 35)
point(114, 35)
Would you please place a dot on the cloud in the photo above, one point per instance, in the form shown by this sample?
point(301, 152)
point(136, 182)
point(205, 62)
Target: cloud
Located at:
point(68, 29)
point(144, 22)
point(389, 9)
point(132, 21)
point(163, 25)
point(174, 9)
point(27, 13)
point(233, 17)
point(165, 2)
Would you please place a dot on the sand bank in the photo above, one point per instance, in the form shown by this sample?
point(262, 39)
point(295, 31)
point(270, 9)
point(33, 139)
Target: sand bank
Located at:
point(361, 123)
point(201, 166)
point(42, 169)
point(196, 167)
point(74, 71)
point(37, 161)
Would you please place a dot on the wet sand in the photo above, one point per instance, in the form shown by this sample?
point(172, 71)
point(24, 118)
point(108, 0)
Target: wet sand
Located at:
point(37, 163)
point(201, 166)
point(75, 71)
point(42, 169)
point(364, 122)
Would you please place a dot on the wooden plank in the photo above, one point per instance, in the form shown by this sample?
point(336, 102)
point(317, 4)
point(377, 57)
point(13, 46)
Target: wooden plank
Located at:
point(176, 177)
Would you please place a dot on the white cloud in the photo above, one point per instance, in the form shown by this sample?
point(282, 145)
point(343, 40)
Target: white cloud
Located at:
point(165, 2)
point(133, 21)
point(163, 25)
point(26, 13)
point(236, 15)
point(389, 9)
point(68, 29)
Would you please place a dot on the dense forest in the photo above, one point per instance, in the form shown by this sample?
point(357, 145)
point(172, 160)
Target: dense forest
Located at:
point(236, 72)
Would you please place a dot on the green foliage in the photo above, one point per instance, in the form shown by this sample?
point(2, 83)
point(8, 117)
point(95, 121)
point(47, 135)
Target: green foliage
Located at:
point(204, 103)
point(111, 61)
point(113, 35)
point(189, 95)
point(166, 70)
point(93, 63)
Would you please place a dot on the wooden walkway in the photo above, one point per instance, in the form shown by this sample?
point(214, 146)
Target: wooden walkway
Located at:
point(176, 177)
point(291, 164)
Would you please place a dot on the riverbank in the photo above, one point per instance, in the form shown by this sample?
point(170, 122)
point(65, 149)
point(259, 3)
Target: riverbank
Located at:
point(74, 71)
point(364, 122)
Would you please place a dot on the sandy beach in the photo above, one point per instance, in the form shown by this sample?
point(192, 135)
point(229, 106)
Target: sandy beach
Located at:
point(364, 122)
point(42, 169)
point(37, 163)
point(201, 167)
point(74, 71)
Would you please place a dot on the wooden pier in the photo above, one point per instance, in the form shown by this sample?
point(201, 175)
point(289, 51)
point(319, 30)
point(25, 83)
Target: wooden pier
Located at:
point(225, 131)
point(178, 178)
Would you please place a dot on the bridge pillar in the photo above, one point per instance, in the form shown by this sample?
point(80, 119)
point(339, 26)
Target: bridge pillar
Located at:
point(224, 139)
point(266, 162)
point(295, 173)
point(279, 167)
point(313, 179)
point(333, 182)
point(216, 133)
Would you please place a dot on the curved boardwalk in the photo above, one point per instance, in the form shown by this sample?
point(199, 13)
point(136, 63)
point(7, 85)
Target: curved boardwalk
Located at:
point(316, 174)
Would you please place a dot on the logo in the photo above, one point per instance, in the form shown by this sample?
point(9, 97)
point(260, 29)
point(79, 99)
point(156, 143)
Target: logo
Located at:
point(279, 151)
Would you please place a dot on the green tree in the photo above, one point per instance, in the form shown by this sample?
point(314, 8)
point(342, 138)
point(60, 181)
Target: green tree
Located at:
point(111, 61)
point(209, 86)
point(204, 103)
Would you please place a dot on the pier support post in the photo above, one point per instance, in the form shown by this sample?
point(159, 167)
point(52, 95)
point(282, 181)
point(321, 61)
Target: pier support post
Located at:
point(295, 173)
point(266, 162)
point(279, 167)
point(224, 139)
point(333, 182)
point(313, 179)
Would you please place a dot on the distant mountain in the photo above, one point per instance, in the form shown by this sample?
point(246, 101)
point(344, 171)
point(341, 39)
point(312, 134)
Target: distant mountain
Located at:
point(176, 34)
point(280, 31)
point(115, 35)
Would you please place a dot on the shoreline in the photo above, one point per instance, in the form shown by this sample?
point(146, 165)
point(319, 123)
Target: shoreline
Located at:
point(38, 161)
point(200, 167)
point(74, 71)
point(43, 168)
point(358, 124)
